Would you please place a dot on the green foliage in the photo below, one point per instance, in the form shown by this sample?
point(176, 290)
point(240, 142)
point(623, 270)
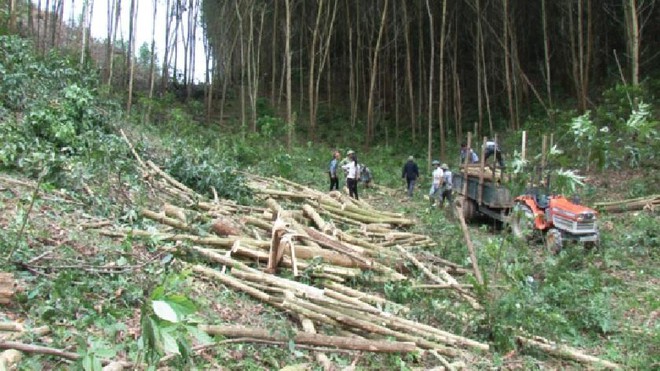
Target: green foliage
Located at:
point(204, 170)
point(54, 121)
point(168, 325)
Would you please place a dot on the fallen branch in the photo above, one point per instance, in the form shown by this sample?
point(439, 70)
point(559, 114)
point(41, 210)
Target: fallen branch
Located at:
point(340, 342)
point(39, 349)
point(470, 246)
point(565, 352)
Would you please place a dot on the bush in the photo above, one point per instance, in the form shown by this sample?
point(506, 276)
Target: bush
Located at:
point(204, 170)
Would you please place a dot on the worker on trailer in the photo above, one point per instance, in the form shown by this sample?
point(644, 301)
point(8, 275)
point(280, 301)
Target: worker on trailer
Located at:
point(492, 148)
point(465, 152)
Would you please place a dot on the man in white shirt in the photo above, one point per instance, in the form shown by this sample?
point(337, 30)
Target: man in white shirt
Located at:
point(352, 174)
point(435, 192)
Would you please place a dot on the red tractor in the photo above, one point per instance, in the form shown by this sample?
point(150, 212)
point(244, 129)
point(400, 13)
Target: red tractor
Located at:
point(554, 217)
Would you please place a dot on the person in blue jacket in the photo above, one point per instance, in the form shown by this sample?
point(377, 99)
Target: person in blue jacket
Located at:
point(332, 171)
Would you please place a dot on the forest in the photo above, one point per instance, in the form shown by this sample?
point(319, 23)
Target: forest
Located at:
point(164, 177)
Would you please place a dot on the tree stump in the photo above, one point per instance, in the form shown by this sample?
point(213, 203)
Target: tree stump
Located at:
point(7, 288)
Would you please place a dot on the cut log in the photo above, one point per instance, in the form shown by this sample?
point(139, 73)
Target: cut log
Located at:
point(566, 352)
point(175, 212)
point(470, 246)
point(7, 288)
point(312, 339)
point(9, 359)
point(38, 349)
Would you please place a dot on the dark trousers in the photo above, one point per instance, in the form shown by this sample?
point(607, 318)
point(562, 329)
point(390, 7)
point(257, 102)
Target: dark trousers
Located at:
point(446, 195)
point(352, 187)
point(497, 153)
point(334, 183)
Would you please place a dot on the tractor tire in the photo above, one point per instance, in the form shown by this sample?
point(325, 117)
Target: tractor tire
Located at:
point(522, 222)
point(553, 241)
point(467, 207)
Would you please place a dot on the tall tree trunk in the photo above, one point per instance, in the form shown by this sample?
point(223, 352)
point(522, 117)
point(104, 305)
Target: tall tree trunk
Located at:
point(131, 56)
point(254, 56)
point(507, 63)
point(456, 78)
point(441, 83)
point(164, 72)
point(47, 20)
point(274, 52)
point(374, 73)
point(546, 53)
point(484, 74)
point(111, 47)
point(88, 11)
point(241, 38)
point(152, 62)
point(409, 74)
point(477, 58)
point(12, 16)
point(287, 51)
point(580, 46)
point(397, 101)
point(312, 64)
point(429, 151)
point(324, 51)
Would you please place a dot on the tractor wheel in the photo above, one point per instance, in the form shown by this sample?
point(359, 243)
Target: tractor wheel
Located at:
point(591, 245)
point(522, 222)
point(553, 240)
point(467, 207)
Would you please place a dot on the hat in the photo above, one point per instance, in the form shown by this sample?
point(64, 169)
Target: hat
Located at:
point(435, 162)
point(444, 167)
point(350, 152)
point(410, 158)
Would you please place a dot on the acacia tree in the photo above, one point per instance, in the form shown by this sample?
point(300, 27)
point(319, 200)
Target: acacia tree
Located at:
point(430, 82)
point(374, 70)
point(130, 55)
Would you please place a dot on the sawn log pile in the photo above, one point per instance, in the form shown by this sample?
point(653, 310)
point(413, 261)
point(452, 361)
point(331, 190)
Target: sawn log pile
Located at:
point(297, 232)
point(323, 238)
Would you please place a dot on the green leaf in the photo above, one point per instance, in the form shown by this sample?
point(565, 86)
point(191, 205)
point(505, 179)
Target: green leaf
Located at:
point(169, 343)
point(181, 305)
point(158, 293)
point(164, 311)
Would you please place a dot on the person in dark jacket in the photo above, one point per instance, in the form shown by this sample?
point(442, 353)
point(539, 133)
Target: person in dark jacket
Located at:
point(410, 173)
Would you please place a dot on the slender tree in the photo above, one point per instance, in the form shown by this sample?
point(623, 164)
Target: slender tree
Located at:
point(287, 51)
point(441, 82)
point(374, 71)
point(429, 153)
point(130, 55)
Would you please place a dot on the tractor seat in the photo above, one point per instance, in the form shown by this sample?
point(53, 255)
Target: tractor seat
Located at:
point(541, 200)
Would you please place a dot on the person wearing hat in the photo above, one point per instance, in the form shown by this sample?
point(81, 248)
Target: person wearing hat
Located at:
point(447, 182)
point(410, 173)
point(352, 174)
point(435, 192)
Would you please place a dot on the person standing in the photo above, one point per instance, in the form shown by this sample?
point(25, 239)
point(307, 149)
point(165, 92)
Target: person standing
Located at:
point(352, 169)
point(332, 171)
point(410, 173)
point(435, 192)
point(447, 185)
